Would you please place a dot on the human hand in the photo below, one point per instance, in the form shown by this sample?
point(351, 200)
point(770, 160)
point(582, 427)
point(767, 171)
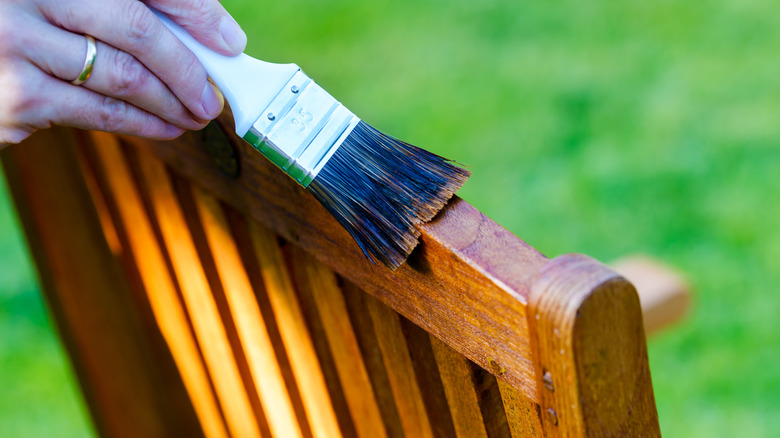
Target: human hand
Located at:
point(144, 81)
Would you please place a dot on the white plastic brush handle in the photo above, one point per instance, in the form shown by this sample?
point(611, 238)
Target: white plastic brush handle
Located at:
point(248, 84)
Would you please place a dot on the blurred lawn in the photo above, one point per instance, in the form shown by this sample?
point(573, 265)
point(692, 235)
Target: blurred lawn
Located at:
point(602, 127)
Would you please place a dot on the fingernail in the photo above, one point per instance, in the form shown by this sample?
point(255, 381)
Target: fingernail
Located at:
point(212, 101)
point(234, 37)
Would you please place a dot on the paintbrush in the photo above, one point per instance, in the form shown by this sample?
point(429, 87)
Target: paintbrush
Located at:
point(379, 188)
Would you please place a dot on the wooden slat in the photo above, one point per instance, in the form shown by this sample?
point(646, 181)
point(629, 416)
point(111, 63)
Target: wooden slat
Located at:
point(428, 379)
point(462, 397)
point(95, 313)
point(255, 340)
point(490, 402)
point(319, 290)
point(462, 250)
point(201, 307)
point(98, 200)
point(368, 342)
point(591, 345)
point(523, 415)
point(400, 369)
point(170, 315)
point(297, 341)
point(321, 344)
point(472, 394)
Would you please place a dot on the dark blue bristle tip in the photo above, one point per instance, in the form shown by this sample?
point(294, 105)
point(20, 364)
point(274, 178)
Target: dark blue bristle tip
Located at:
point(381, 189)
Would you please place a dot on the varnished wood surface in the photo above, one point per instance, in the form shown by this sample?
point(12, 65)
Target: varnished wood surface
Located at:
point(276, 325)
point(594, 377)
point(277, 283)
point(147, 259)
point(324, 296)
point(197, 295)
point(124, 377)
point(467, 264)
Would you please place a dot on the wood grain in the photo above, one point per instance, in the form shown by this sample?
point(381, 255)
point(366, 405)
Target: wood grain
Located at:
point(119, 372)
point(429, 379)
point(368, 342)
point(462, 397)
point(320, 291)
point(255, 340)
point(198, 298)
point(292, 326)
point(400, 369)
point(590, 339)
point(477, 335)
point(523, 415)
point(466, 265)
point(129, 214)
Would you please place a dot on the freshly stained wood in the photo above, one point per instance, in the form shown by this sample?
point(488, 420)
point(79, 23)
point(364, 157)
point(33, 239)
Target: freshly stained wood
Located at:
point(400, 369)
point(198, 298)
point(477, 335)
point(368, 342)
point(156, 280)
point(467, 264)
point(490, 402)
point(462, 397)
point(297, 341)
point(319, 284)
point(429, 379)
point(247, 317)
point(593, 356)
point(118, 370)
point(523, 415)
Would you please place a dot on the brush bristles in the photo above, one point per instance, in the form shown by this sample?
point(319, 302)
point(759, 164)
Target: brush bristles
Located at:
point(381, 189)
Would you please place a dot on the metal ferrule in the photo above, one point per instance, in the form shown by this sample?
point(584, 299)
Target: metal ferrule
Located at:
point(301, 128)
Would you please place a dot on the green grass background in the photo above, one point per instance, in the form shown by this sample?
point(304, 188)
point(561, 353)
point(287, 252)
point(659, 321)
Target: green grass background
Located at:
point(598, 127)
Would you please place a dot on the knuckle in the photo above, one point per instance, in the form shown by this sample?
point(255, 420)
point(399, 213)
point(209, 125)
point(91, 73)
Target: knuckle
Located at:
point(192, 68)
point(27, 97)
point(23, 106)
point(206, 13)
point(11, 20)
point(140, 23)
point(199, 13)
point(191, 78)
point(128, 75)
point(112, 115)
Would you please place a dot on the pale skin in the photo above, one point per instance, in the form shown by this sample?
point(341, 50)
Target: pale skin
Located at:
point(144, 82)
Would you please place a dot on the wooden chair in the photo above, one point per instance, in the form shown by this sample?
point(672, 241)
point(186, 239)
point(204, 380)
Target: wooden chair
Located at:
point(200, 292)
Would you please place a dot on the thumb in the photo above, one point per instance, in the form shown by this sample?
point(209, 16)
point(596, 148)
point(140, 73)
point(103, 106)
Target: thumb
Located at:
point(207, 21)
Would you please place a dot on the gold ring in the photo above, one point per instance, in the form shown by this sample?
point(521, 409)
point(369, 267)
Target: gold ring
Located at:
point(89, 62)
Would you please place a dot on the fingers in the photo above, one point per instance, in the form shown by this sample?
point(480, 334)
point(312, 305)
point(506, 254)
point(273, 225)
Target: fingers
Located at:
point(130, 26)
point(35, 100)
point(207, 21)
point(115, 74)
point(85, 109)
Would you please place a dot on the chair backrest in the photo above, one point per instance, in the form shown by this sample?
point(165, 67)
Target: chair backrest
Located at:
point(199, 291)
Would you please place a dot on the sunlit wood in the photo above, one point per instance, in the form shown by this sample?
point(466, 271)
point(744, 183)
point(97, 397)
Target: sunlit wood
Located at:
point(400, 369)
point(158, 283)
point(295, 335)
point(244, 309)
point(459, 387)
point(198, 299)
point(328, 300)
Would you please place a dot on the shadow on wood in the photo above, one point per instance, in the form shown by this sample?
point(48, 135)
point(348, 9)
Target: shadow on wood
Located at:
point(231, 304)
